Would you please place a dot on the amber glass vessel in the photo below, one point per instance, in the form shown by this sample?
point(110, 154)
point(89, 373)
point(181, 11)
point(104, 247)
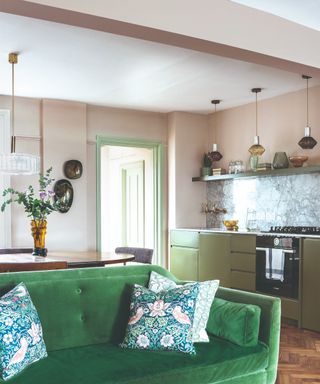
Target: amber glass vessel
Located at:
point(39, 230)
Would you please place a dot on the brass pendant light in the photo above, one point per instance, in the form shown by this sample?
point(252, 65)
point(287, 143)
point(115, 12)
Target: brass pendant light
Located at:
point(307, 142)
point(215, 155)
point(17, 163)
point(256, 148)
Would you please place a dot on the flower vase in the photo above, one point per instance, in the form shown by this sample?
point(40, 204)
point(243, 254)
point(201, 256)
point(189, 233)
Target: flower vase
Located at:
point(39, 230)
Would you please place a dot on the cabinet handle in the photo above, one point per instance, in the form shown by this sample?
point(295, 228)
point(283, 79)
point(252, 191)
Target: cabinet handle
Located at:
point(284, 250)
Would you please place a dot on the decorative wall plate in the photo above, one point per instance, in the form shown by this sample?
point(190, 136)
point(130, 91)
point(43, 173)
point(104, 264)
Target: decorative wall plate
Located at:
point(64, 193)
point(73, 169)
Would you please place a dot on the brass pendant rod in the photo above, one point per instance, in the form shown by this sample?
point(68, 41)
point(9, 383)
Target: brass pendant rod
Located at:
point(13, 59)
point(13, 139)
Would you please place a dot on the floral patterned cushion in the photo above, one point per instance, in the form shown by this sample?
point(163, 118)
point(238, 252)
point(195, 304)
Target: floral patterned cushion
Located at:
point(21, 342)
point(161, 321)
point(207, 291)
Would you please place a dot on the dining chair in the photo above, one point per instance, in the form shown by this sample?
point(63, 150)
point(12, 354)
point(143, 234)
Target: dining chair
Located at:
point(142, 255)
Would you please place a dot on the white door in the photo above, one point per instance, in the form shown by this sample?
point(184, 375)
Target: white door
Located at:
point(133, 202)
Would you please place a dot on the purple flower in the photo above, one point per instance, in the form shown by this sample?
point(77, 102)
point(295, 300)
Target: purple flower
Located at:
point(42, 195)
point(51, 193)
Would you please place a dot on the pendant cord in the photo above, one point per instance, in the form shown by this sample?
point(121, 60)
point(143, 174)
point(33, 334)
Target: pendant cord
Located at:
point(215, 133)
point(307, 102)
point(256, 114)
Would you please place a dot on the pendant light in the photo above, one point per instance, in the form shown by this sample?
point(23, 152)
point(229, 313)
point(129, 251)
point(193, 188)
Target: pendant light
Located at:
point(307, 142)
point(17, 163)
point(256, 148)
point(215, 155)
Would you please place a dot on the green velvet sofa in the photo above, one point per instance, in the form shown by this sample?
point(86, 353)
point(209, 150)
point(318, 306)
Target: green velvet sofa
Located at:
point(84, 314)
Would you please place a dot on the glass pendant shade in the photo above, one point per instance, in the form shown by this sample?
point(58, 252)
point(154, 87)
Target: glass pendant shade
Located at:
point(256, 148)
point(17, 163)
point(307, 142)
point(215, 155)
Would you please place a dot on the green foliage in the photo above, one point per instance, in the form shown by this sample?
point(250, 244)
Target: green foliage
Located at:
point(207, 162)
point(37, 208)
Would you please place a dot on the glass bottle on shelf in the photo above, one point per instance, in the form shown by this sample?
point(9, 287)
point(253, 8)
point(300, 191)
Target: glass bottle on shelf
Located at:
point(254, 161)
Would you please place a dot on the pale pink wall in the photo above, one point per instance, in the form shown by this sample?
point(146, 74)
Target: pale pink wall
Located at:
point(281, 122)
point(117, 122)
point(65, 138)
point(69, 131)
point(188, 134)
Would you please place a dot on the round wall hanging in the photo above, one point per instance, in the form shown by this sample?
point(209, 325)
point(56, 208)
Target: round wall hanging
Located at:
point(64, 194)
point(73, 169)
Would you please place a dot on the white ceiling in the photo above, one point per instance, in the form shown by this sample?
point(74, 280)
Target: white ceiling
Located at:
point(304, 12)
point(64, 62)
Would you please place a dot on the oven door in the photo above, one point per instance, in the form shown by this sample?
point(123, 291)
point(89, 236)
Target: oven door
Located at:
point(277, 271)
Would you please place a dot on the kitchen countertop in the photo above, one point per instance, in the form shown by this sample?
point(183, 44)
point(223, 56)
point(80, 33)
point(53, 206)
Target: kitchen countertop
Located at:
point(243, 231)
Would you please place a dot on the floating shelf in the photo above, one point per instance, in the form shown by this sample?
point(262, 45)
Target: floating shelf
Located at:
point(271, 173)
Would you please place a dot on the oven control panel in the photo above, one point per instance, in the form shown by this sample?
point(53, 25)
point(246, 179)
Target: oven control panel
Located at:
point(277, 241)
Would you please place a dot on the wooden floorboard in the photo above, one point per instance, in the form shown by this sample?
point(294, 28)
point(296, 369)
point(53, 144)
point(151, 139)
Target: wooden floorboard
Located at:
point(299, 360)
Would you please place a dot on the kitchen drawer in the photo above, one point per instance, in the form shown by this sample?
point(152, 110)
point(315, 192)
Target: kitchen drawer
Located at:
point(243, 262)
point(188, 239)
point(243, 280)
point(184, 263)
point(243, 243)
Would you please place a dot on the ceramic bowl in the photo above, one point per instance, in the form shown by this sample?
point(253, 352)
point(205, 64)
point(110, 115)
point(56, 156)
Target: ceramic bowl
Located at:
point(297, 161)
point(231, 225)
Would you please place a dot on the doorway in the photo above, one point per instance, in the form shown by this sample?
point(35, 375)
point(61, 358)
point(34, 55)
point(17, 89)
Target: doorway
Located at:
point(129, 195)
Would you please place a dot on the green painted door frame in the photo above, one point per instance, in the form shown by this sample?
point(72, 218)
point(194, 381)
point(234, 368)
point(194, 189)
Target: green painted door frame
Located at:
point(158, 172)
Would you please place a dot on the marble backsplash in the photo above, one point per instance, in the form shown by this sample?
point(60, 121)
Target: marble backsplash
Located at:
point(279, 200)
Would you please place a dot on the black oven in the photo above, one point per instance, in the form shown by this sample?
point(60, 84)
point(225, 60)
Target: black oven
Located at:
point(277, 265)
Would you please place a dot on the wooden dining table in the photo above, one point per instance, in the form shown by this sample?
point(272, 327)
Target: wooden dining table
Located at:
point(61, 260)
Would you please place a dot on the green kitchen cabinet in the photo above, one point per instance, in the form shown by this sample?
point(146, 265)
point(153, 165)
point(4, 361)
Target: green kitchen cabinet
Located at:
point(184, 254)
point(201, 256)
point(186, 238)
point(184, 263)
point(310, 280)
point(214, 257)
point(243, 262)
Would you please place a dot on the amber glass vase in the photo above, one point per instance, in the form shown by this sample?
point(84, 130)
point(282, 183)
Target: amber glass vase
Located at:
point(39, 230)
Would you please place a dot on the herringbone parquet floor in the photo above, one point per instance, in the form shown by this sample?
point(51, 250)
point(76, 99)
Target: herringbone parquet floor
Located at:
point(299, 360)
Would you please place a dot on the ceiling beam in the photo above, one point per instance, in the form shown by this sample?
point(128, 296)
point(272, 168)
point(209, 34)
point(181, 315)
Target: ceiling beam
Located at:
point(118, 27)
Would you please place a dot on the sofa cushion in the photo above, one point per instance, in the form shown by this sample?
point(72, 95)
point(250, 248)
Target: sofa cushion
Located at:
point(92, 303)
point(161, 321)
point(207, 291)
point(21, 341)
point(236, 322)
point(215, 361)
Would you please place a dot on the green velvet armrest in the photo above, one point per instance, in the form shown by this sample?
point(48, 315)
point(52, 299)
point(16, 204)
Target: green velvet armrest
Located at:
point(235, 322)
point(270, 321)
